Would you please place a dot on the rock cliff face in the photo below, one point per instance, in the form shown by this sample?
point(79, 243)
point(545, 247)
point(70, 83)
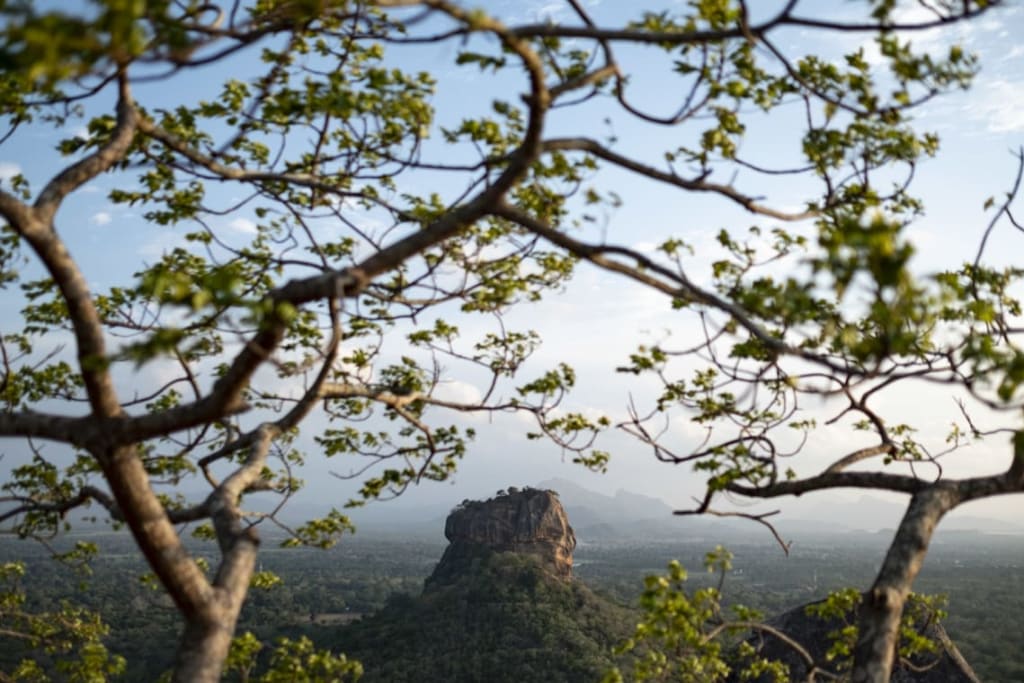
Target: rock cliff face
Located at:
point(946, 666)
point(526, 522)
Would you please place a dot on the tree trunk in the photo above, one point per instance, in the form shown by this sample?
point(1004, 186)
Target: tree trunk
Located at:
point(204, 645)
point(210, 610)
point(880, 613)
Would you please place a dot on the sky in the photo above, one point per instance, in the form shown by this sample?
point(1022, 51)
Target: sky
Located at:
point(598, 320)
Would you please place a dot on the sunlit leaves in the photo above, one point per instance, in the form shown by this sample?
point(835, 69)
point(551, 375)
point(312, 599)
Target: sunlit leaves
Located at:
point(69, 638)
point(320, 166)
point(321, 533)
point(681, 634)
point(290, 661)
point(687, 634)
point(300, 662)
point(483, 61)
point(265, 580)
point(53, 46)
point(920, 613)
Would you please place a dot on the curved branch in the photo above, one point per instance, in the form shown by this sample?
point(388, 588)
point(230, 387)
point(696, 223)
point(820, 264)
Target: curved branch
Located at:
point(833, 480)
point(859, 455)
point(39, 232)
point(100, 161)
point(812, 667)
point(783, 18)
point(697, 185)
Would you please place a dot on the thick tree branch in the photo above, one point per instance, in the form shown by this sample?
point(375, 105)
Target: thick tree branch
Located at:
point(100, 161)
point(153, 531)
point(39, 232)
point(833, 480)
point(294, 416)
point(71, 430)
point(17, 214)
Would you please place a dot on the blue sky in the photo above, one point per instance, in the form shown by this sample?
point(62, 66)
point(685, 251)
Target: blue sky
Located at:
point(599, 319)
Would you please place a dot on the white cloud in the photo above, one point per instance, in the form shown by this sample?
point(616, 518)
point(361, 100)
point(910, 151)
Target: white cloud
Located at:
point(101, 218)
point(1015, 52)
point(243, 225)
point(998, 104)
point(8, 169)
point(549, 10)
point(457, 391)
point(535, 10)
point(162, 243)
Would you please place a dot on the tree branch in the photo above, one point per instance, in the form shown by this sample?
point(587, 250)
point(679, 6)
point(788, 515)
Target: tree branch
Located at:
point(833, 480)
point(699, 185)
point(44, 426)
point(76, 175)
point(349, 282)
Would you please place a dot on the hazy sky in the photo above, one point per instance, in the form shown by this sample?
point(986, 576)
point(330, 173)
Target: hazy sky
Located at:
point(599, 319)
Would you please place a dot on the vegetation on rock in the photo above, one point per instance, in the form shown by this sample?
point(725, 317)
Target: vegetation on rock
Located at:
point(504, 618)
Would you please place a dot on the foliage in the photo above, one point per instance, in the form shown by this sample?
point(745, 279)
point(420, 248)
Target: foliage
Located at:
point(291, 661)
point(920, 613)
point(686, 637)
point(64, 645)
point(321, 590)
point(346, 246)
point(689, 636)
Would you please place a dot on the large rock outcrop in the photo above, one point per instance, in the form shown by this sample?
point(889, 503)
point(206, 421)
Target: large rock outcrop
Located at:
point(498, 608)
point(945, 666)
point(526, 522)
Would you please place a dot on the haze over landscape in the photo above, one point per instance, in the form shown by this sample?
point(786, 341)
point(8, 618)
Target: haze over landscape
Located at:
point(475, 304)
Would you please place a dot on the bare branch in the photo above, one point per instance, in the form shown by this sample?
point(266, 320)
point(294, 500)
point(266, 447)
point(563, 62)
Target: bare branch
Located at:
point(833, 480)
point(696, 185)
point(859, 455)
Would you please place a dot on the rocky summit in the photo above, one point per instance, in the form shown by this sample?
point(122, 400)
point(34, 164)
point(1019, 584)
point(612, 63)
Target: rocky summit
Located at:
point(522, 521)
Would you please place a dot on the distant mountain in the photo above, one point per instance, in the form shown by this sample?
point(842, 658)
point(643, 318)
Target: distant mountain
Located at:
point(627, 517)
point(588, 508)
point(870, 513)
point(625, 503)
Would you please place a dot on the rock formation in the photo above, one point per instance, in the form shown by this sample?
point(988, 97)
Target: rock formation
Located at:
point(500, 607)
point(946, 666)
point(526, 522)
